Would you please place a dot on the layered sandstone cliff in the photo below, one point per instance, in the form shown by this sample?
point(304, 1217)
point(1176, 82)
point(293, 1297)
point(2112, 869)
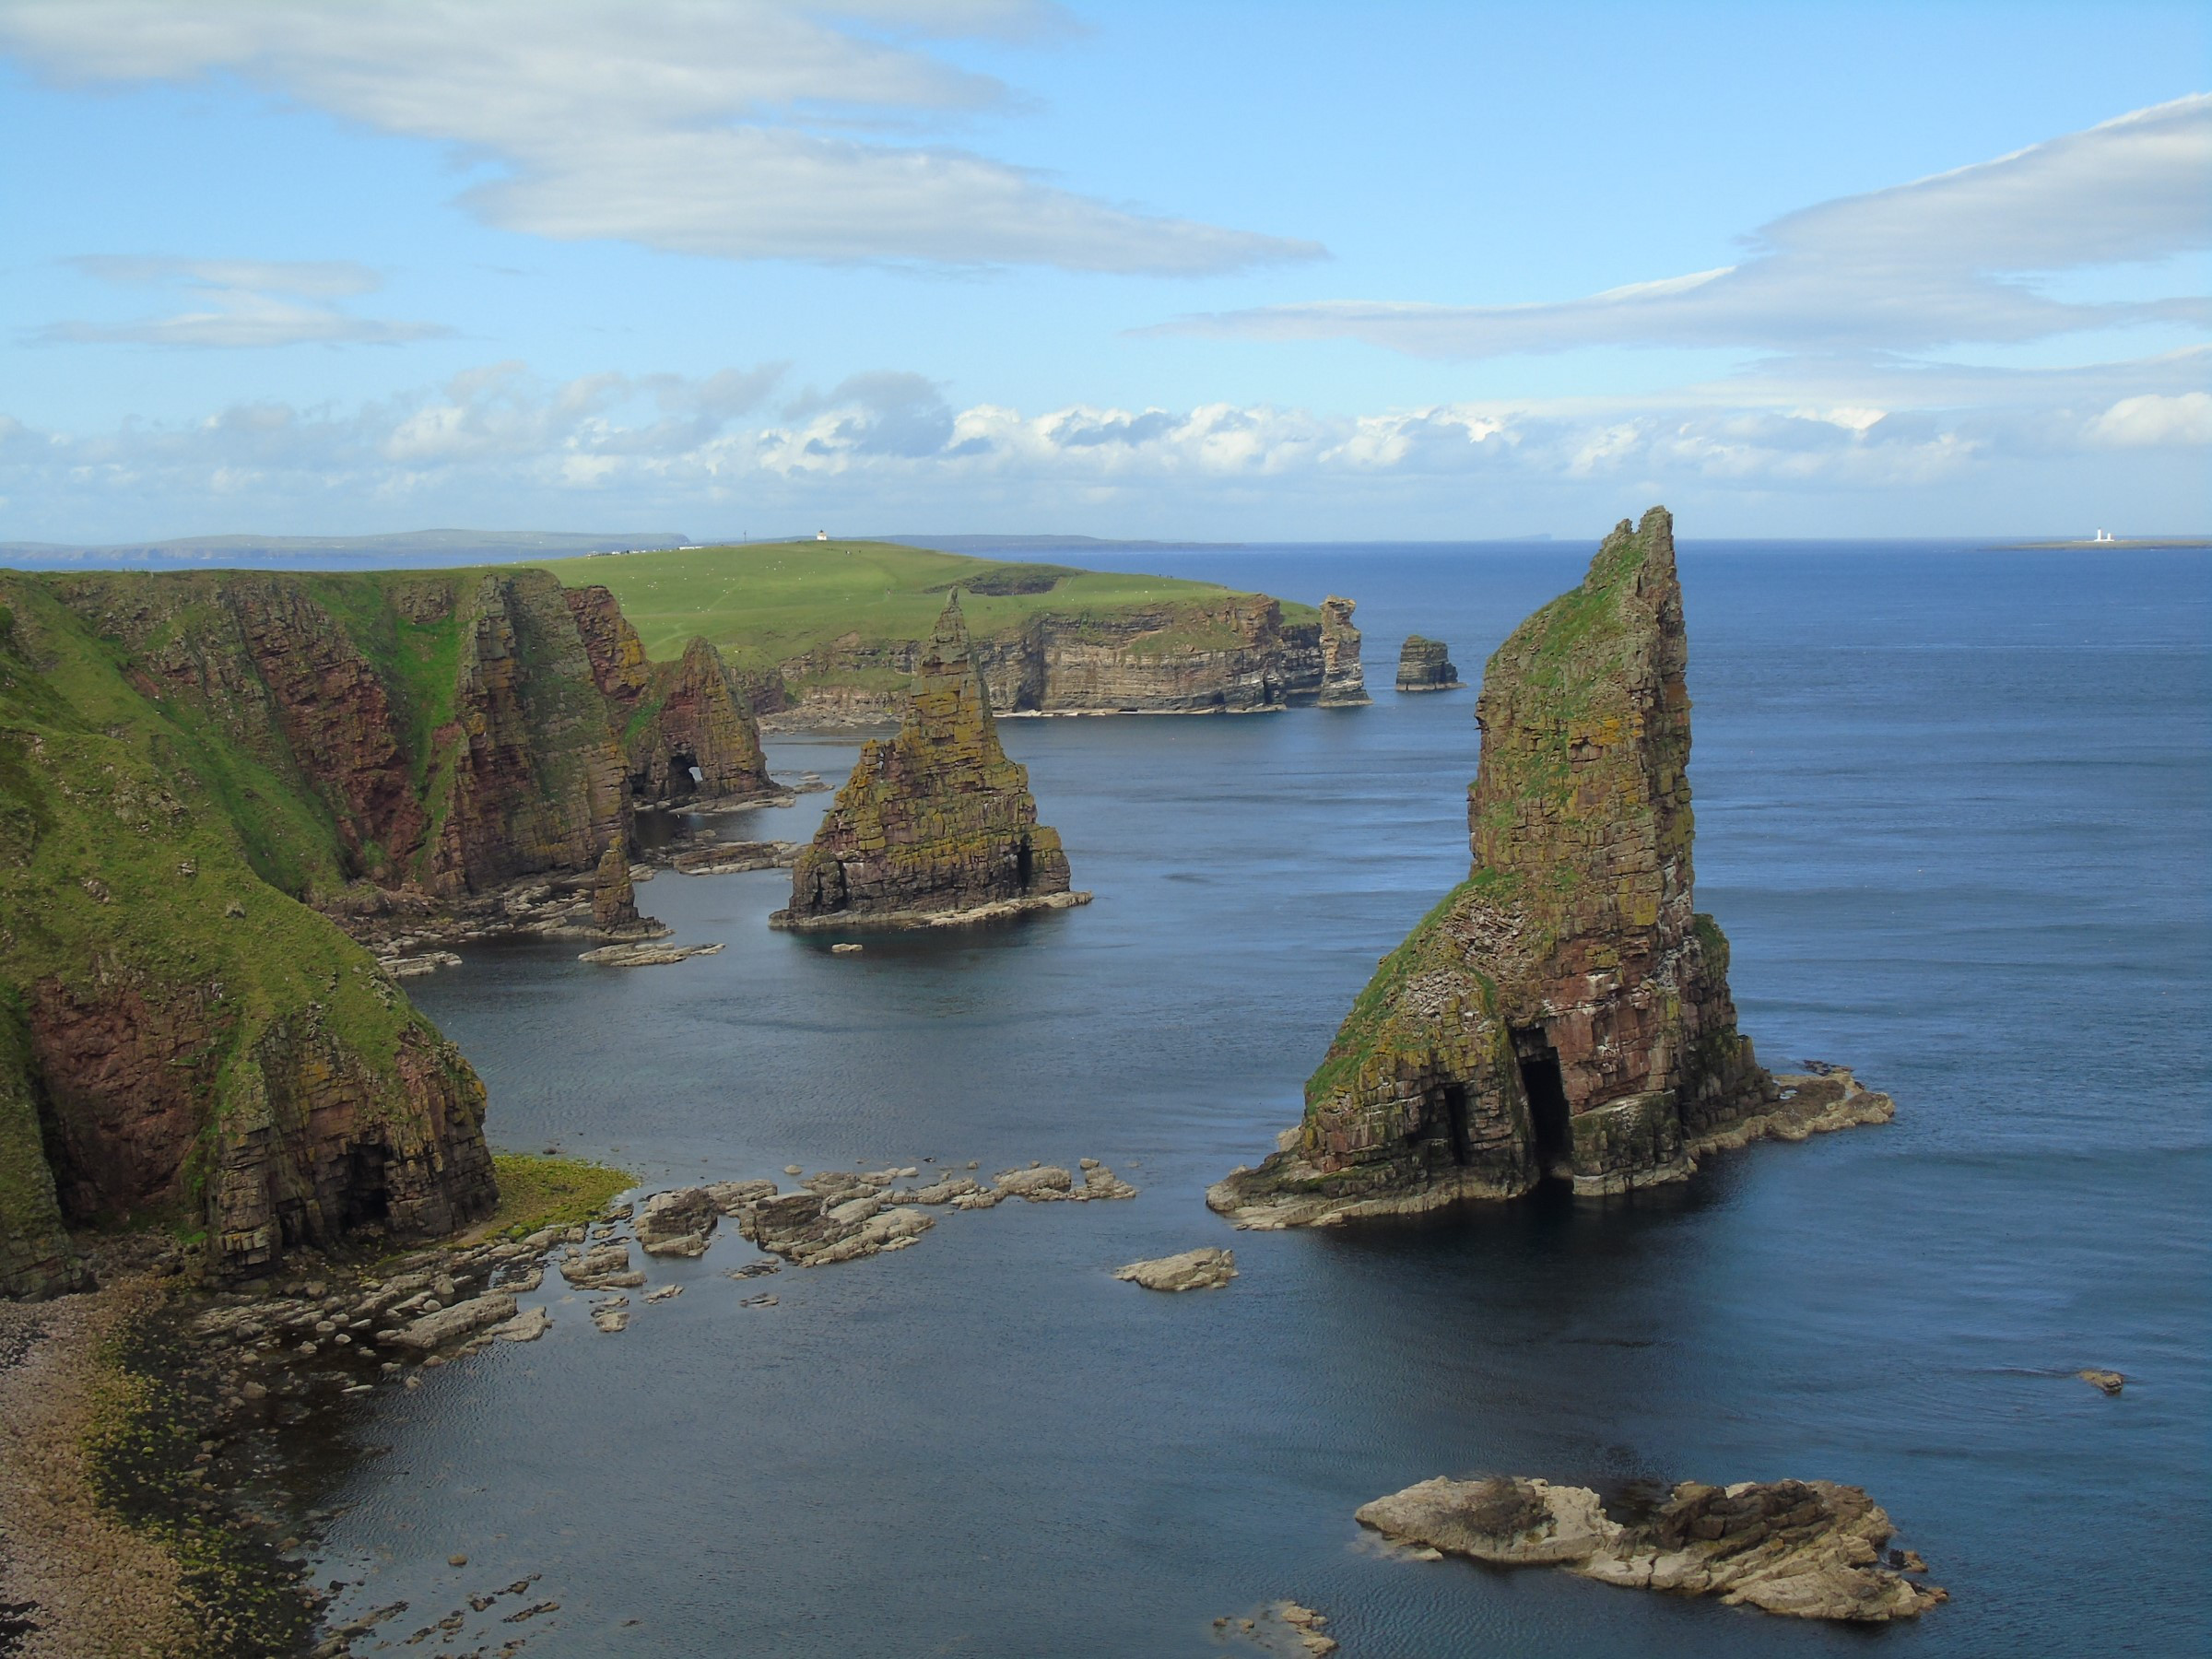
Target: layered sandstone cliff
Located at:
point(1238, 656)
point(935, 824)
point(1425, 664)
point(1563, 1012)
point(192, 767)
point(1343, 685)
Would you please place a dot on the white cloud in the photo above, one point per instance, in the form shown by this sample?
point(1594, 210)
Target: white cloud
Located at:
point(723, 127)
point(2155, 422)
point(1937, 262)
point(241, 302)
point(498, 444)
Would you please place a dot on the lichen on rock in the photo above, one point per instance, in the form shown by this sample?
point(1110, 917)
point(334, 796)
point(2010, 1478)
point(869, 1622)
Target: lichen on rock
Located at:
point(935, 823)
point(1564, 1011)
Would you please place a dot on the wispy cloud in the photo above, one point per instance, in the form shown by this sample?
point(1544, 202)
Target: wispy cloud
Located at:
point(239, 303)
point(746, 129)
point(1941, 261)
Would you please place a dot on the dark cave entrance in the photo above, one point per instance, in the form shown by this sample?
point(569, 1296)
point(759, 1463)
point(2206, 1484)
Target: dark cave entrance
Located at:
point(1024, 867)
point(1546, 1091)
point(368, 1199)
point(1456, 1123)
point(683, 773)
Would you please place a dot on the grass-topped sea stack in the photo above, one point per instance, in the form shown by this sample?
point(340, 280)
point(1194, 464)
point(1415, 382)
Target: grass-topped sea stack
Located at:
point(1563, 1011)
point(935, 825)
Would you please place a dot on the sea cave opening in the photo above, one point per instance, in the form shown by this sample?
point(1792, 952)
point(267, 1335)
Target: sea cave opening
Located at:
point(1545, 1092)
point(1024, 864)
point(1456, 1123)
point(368, 1198)
point(684, 776)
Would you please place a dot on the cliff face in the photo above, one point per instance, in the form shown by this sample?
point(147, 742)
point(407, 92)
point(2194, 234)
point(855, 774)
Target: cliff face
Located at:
point(1343, 685)
point(1563, 1011)
point(686, 728)
point(1235, 656)
point(180, 1040)
point(188, 763)
point(936, 821)
point(1425, 664)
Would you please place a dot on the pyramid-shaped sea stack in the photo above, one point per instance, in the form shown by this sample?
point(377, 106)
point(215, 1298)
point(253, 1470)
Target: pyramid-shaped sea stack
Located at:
point(1564, 1012)
point(935, 826)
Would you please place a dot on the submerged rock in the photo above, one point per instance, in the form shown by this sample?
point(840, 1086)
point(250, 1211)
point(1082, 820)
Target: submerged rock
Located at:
point(1564, 1011)
point(644, 956)
point(935, 825)
point(1203, 1269)
point(1425, 664)
point(2111, 1382)
point(1807, 1549)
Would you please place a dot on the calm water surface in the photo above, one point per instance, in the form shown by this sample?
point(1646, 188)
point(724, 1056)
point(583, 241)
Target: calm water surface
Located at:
point(1953, 811)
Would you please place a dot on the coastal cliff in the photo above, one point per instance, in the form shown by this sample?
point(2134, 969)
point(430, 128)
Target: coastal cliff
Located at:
point(1564, 1011)
point(935, 824)
point(1237, 656)
point(203, 777)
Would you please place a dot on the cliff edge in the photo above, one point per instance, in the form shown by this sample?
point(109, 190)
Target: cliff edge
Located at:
point(1564, 1011)
point(936, 824)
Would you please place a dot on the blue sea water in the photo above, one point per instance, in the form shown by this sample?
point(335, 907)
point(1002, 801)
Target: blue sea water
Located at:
point(1953, 811)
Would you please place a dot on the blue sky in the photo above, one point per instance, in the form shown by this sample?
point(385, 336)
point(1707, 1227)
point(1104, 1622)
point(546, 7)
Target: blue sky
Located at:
point(1222, 271)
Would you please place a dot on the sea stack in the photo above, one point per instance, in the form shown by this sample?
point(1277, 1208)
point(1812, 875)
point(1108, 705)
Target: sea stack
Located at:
point(935, 826)
point(1425, 664)
point(1343, 685)
point(1563, 1011)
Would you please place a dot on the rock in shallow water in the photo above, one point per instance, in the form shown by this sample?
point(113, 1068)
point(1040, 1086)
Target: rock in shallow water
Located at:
point(1202, 1269)
point(450, 1324)
point(677, 1223)
point(1805, 1549)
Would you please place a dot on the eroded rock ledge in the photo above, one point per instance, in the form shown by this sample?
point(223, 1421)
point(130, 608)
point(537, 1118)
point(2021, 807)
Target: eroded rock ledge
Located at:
point(1564, 1012)
point(1802, 1548)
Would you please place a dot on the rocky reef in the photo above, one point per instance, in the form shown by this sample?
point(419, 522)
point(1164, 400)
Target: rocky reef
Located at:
point(199, 775)
point(935, 824)
point(1802, 1548)
point(1425, 664)
point(1564, 1011)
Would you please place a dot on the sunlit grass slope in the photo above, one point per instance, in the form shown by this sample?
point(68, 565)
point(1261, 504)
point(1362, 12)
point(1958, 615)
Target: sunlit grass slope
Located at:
point(765, 603)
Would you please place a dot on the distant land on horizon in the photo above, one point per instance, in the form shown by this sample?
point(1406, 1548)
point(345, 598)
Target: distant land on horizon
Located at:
point(462, 546)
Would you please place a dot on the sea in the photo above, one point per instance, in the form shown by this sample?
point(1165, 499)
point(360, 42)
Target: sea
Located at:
point(1952, 812)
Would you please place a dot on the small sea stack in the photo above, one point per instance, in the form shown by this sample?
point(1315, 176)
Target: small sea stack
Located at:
point(1425, 664)
point(935, 826)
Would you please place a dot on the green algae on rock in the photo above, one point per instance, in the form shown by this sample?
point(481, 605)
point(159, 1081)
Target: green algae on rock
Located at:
point(935, 825)
point(1564, 1011)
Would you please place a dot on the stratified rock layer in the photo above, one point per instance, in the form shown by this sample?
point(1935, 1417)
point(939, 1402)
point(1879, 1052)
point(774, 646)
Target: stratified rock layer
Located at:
point(1425, 664)
point(933, 822)
point(1342, 683)
point(1564, 1011)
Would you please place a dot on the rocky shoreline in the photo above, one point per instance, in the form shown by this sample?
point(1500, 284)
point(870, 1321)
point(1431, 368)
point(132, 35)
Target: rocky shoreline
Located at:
point(155, 1434)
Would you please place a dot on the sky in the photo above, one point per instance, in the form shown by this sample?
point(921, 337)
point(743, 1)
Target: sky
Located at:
point(1225, 271)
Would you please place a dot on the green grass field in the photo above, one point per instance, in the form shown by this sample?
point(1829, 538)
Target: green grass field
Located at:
point(765, 602)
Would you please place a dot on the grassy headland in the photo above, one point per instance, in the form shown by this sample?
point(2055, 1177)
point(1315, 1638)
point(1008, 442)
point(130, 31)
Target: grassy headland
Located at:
point(764, 602)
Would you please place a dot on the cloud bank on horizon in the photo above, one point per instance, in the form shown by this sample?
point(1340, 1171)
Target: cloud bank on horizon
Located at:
point(1870, 357)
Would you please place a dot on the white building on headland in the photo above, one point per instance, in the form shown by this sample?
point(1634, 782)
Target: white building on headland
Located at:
point(2103, 536)
point(824, 535)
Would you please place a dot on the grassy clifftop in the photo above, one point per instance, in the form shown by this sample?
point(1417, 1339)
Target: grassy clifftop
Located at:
point(765, 603)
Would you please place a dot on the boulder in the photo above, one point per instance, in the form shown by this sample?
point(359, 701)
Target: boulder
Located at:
point(451, 1324)
point(677, 1223)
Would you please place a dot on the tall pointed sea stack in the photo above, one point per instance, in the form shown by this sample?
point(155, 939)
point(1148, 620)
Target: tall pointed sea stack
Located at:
point(1563, 1011)
point(936, 824)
